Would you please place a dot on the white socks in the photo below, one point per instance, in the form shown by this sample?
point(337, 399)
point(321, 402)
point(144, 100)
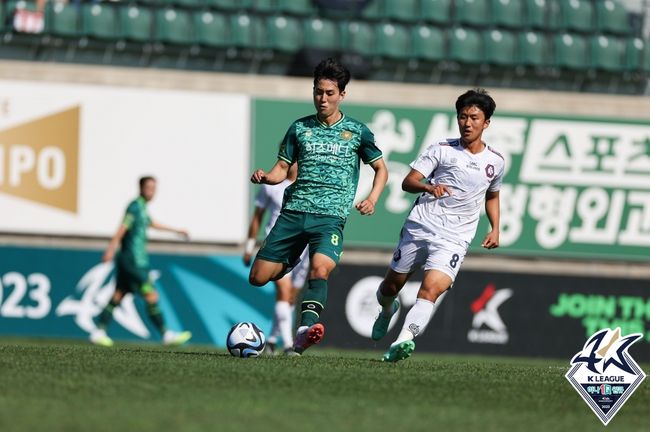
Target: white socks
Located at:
point(386, 302)
point(416, 320)
point(284, 321)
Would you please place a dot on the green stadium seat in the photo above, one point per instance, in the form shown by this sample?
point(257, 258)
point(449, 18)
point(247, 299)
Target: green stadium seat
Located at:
point(297, 7)
point(190, 4)
point(211, 29)
point(358, 37)
point(373, 10)
point(428, 43)
point(244, 31)
point(612, 17)
point(265, 6)
point(646, 59)
point(321, 33)
point(2, 16)
point(508, 13)
point(578, 15)
point(174, 26)
point(537, 14)
point(62, 20)
point(436, 11)
point(228, 5)
point(634, 47)
point(136, 23)
point(607, 53)
point(571, 51)
point(533, 49)
point(465, 46)
point(402, 10)
point(472, 12)
point(500, 47)
point(393, 41)
point(99, 21)
point(283, 33)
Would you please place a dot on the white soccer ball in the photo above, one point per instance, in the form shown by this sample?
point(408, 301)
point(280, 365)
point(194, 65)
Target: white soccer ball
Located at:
point(245, 339)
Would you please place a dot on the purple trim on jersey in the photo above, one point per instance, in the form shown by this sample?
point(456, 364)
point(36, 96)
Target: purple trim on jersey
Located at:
point(495, 152)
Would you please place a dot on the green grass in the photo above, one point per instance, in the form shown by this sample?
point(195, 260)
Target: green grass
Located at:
point(64, 386)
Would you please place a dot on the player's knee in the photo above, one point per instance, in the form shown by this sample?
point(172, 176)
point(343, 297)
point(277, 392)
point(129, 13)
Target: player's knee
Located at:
point(255, 279)
point(319, 272)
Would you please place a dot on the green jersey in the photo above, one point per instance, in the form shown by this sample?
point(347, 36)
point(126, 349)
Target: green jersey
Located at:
point(328, 164)
point(134, 242)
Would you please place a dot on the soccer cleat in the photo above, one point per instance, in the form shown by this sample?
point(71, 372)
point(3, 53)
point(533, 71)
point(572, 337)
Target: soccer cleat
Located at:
point(171, 338)
point(99, 337)
point(308, 337)
point(380, 327)
point(400, 351)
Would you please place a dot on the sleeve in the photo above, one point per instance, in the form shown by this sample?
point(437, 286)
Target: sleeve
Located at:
point(428, 160)
point(130, 215)
point(495, 184)
point(368, 150)
point(289, 146)
point(262, 198)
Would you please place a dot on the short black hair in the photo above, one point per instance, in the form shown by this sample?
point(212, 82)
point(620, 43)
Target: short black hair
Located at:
point(477, 97)
point(145, 179)
point(332, 69)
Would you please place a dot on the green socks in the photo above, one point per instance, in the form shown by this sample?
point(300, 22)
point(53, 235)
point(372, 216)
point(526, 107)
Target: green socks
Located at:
point(313, 302)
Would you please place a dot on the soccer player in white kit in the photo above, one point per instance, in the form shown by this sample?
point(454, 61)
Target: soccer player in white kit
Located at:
point(269, 198)
point(460, 175)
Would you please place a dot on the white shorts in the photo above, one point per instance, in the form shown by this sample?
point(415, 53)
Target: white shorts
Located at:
point(300, 271)
point(435, 253)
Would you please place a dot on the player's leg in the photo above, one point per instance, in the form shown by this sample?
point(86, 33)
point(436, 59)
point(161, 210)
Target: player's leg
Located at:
point(99, 336)
point(325, 246)
point(408, 256)
point(441, 269)
point(283, 310)
point(152, 300)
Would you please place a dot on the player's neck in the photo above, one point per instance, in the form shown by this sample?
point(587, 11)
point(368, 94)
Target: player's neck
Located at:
point(474, 147)
point(330, 120)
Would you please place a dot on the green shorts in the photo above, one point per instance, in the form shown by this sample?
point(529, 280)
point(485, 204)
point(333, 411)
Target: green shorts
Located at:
point(129, 277)
point(293, 231)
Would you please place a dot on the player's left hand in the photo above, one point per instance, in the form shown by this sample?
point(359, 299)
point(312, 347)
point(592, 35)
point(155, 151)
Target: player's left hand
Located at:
point(366, 207)
point(491, 240)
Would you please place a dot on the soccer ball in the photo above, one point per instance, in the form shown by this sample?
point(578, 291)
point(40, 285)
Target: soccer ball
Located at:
point(245, 339)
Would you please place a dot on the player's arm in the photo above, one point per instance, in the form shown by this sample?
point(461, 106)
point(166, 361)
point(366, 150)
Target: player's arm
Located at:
point(253, 229)
point(277, 174)
point(109, 253)
point(160, 227)
point(492, 210)
point(413, 183)
point(367, 206)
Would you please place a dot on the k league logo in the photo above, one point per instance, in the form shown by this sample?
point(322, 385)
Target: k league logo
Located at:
point(604, 374)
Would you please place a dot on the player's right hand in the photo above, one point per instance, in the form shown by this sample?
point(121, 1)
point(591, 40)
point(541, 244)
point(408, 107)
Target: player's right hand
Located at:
point(258, 176)
point(247, 260)
point(108, 256)
point(439, 190)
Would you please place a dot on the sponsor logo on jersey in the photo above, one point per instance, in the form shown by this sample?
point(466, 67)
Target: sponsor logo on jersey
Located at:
point(473, 166)
point(487, 325)
point(604, 374)
point(308, 133)
point(346, 135)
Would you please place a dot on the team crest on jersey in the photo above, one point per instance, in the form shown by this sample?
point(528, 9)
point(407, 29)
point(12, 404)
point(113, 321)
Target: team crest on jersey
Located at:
point(489, 170)
point(604, 374)
point(308, 133)
point(346, 135)
point(397, 255)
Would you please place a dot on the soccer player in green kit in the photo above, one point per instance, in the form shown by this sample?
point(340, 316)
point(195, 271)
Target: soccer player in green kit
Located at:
point(132, 267)
point(327, 146)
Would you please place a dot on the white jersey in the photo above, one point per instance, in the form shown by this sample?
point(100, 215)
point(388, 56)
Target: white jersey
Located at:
point(270, 198)
point(469, 176)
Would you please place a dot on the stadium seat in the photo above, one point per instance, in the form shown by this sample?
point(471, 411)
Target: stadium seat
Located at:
point(62, 20)
point(646, 59)
point(472, 12)
point(465, 46)
point(373, 10)
point(393, 51)
point(297, 7)
point(190, 4)
point(611, 17)
point(537, 14)
point(428, 52)
point(99, 21)
point(2, 16)
point(607, 53)
point(500, 47)
point(401, 10)
point(508, 13)
point(244, 31)
point(571, 51)
point(572, 15)
point(435, 11)
point(211, 29)
point(174, 26)
point(533, 49)
point(358, 37)
point(634, 47)
point(136, 23)
point(283, 33)
point(265, 6)
point(228, 5)
point(321, 33)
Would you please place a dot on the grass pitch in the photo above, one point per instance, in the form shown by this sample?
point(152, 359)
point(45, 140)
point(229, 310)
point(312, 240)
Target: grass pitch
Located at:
point(67, 386)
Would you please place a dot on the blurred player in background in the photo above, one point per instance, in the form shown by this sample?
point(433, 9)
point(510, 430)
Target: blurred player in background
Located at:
point(132, 267)
point(270, 198)
point(327, 147)
point(461, 174)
